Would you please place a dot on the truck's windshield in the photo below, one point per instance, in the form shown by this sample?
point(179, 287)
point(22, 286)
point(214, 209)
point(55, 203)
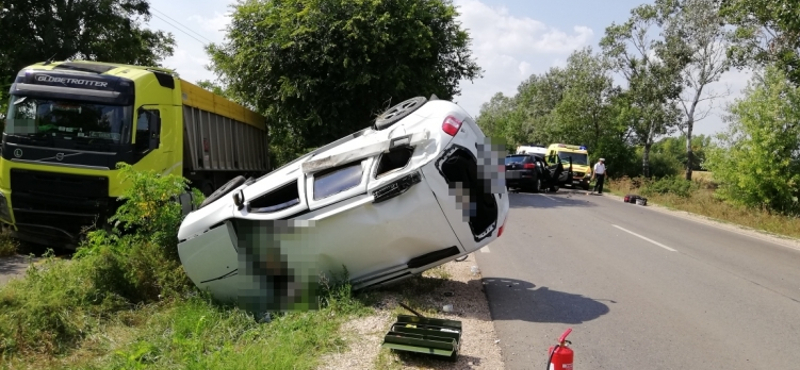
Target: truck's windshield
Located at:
point(68, 124)
point(579, 159)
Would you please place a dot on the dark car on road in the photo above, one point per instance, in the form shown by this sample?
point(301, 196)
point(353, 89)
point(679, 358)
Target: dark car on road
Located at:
point(532, 173)
point(525, 171)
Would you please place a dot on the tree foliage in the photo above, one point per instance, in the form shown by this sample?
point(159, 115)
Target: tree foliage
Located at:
point(652, 69)
point(758, 163)
point(699, 25)
point(321, 69)
point(570, 104)
point(767, 33)
point(675, 149)
point(109, 31)
point(582, 115)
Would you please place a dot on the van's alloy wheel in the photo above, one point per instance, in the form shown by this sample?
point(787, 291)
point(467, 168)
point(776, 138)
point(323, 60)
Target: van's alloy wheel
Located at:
point(398, 112)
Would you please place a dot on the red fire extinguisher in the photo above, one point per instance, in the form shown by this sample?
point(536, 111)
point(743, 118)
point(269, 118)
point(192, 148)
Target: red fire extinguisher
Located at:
point(560, 354)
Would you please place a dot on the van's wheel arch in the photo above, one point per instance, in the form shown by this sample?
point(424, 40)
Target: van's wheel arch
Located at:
point(224, 189)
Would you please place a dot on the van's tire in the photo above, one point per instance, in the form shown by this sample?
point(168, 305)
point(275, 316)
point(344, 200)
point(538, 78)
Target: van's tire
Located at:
point(224, 189)
point(398, 112)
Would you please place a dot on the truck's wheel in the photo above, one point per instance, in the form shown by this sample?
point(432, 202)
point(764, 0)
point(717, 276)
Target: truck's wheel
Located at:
point(398, 112)
point(225, 189)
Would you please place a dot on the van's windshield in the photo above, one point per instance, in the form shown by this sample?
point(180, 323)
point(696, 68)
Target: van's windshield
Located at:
point(68, 124)
point(579, 159)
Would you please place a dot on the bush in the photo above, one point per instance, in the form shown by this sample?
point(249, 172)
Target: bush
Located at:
point(757, 164)
point(8, 246)
point(670, 185)
point(143, 238)
point(61, 301)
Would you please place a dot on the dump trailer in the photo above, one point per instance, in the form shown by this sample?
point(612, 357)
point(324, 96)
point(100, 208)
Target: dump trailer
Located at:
point(69, 123)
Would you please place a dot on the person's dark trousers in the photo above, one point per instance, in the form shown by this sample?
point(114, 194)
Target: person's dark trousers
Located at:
point(598, 186)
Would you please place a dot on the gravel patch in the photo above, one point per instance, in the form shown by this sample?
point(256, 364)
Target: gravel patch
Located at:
point(452, 283)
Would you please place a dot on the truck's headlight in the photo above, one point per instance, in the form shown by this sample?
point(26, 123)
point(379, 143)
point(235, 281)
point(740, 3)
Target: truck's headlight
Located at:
point(5, 213)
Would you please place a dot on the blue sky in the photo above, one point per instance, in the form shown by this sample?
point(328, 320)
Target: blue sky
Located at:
point(512, 39)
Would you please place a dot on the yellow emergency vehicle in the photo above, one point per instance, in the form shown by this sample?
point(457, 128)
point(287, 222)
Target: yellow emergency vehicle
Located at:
point(578, 155)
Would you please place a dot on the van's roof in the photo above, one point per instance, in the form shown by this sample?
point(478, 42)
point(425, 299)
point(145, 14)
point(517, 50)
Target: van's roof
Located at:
point(531, 149)
point(569, 147)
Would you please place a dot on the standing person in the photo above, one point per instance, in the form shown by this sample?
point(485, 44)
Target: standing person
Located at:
point(599, 172)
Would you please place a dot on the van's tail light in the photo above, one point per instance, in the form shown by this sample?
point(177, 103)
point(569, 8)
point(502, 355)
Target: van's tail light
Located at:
point(451, 125)
point(529, 166)
point(500, 231)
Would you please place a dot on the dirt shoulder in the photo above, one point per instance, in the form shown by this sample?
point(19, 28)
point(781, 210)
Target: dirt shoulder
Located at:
point(452, 283)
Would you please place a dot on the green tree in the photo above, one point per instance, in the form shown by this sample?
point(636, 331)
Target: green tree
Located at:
point(109, 31)
point(674, 147)
point(582, 114)
point(758, 163)
point(617, 144)
point(767, 32)
point(652, 69)
point(321, 69)
point(222, 91)
point(495, 115)
point(699, 24)
point(532, 120)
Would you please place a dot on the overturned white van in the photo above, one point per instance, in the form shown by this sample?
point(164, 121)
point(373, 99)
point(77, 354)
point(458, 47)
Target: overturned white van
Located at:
point(421, 187)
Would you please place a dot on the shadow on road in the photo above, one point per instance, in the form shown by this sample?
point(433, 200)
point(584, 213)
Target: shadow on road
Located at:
point(549, 200)
point(511, 299)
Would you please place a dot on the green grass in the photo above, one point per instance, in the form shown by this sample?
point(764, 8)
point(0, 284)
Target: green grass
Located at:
point(701, 201)
point(49, 321)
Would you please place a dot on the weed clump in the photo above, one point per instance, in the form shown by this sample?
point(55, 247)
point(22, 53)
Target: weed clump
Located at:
point(670, 185)
point(8, 246)
point(59, 302)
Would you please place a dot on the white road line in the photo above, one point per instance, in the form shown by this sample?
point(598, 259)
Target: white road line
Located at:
point(551, 198)
point(485, 249)
point(646, 238)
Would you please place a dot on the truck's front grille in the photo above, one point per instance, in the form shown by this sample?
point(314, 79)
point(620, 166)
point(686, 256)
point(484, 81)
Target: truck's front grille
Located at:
point(58, 205)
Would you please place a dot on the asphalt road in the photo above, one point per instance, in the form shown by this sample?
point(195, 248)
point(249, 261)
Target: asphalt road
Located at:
point(641, 289)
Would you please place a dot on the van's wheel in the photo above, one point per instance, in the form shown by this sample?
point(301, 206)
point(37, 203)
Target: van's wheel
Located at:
point(225, 189)
point(398, 112)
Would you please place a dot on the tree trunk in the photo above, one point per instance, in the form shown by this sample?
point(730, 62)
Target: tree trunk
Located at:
point(646, 160)
point(689, 127)
point(689, 153)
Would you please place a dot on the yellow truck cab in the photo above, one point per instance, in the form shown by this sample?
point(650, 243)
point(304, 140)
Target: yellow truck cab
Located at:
point(69, 123)
point(581, 167)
